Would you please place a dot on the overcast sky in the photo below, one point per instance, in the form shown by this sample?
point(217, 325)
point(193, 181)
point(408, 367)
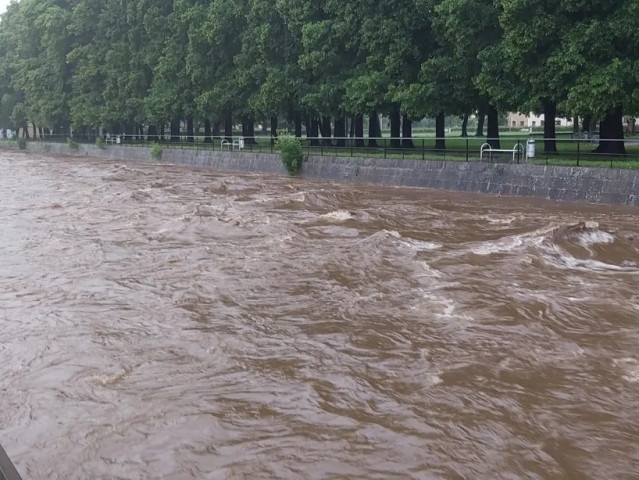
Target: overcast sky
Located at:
point(3, 5)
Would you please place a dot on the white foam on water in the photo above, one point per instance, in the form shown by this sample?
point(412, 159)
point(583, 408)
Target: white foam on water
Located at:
point(595, 237)
point(429, 271)
point(498, 220)
point(513, 242)
point(443, 308)
point(432, 379)
point(421, 246)
point(298, 197)
point(501, 246)
point(338, 216)
point(629, 368)
point(559, 258)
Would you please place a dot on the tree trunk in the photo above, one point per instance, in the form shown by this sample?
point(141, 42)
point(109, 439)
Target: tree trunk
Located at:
point(550, 112)
point(35, 130)
point(480, 123)
point(152, 134)
point(189, 129)
point(273, 129)
point(633, 125)
point(575, 125)
point(228, 126)
point(407, 132)
point(312, 131)
point(464, 125)
point(585, 125)
point(175, 130)
point(611, 133)
point(374, 129)
point(325, 130)
point(207, 131)
point(25, 130)
point(340, 132)
point(396, 121)
point(298, 125)
point(215, 129)
point(440, 131)
point(358, 130)
point(493, 127)
point(162, 132)
point(248, 130)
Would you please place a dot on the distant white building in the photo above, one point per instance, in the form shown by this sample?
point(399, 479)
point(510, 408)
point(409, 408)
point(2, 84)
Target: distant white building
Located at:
point(522, 120)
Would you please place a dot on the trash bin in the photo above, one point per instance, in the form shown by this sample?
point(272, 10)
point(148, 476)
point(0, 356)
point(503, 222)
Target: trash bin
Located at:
point(530, 148)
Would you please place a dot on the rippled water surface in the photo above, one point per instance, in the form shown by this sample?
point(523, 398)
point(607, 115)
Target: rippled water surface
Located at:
point(172, 322)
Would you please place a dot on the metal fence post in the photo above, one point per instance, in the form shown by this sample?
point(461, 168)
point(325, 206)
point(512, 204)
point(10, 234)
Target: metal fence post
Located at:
point(423, 149)
point(518, 150)
point(578, 145)
point(466, 148)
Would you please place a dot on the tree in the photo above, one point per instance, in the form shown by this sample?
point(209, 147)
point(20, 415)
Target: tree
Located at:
point(40, 41)
point(532, 52)
point(601, 50)
point(468, 31)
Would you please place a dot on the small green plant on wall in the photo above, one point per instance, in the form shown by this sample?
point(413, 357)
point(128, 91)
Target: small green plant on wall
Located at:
point(156, 151)
point(100, 142)
point(290, 148)
point(22, 143)
point(72, 144)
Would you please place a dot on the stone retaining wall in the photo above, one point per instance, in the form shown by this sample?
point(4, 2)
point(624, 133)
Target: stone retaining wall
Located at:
point(581, 184)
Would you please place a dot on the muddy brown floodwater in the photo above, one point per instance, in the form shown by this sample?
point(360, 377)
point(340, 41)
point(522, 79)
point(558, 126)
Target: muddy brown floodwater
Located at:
point(173, 322)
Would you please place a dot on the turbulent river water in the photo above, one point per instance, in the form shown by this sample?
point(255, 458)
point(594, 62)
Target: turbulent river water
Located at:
point(174, 322)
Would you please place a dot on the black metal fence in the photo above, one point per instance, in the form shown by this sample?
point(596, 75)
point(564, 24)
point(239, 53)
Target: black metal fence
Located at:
point(507, 149)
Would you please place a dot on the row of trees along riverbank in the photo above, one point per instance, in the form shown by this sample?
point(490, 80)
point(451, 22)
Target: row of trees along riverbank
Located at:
point(134, 66)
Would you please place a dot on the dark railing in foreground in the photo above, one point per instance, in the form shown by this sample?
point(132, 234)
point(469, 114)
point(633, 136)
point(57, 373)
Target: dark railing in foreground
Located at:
point(569, 151)
point(7, 470)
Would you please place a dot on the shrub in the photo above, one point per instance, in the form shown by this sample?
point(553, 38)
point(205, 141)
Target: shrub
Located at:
point(291, 153)
point(72, 144)
point(156, 151)
point(100, 142)
point(22, 143)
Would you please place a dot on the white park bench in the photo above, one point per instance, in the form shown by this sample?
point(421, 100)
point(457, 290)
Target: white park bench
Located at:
point(587, 137)
point(486, 147)
point(112, 138)
point(234, 145)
